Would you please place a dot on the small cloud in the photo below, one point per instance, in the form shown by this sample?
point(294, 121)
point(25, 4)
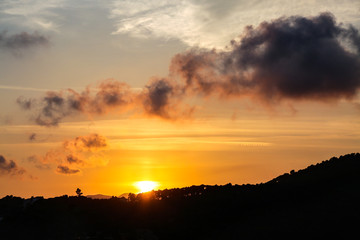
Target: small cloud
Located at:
point(66, 170)
point(25, 104)
point(73, 159)
point(55, 106)
point(91, 143)
point(39, 162)
point(17, 43)
point(9, 167)
point(80, 152)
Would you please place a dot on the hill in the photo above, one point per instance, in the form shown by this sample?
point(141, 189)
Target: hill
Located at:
point(98, 196)
point(317, 202)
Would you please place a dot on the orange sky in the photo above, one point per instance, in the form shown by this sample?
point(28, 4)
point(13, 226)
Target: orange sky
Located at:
point(159, 124)
point(207, 150)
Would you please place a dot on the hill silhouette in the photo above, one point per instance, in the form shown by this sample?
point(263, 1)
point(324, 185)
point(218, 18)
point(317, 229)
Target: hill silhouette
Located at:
point(317, 202)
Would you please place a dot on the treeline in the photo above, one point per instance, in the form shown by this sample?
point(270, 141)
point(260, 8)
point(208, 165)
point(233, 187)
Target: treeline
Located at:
point(317, 202)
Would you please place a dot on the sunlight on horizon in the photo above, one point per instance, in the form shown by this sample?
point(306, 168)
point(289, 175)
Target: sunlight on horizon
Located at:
point(146, 186)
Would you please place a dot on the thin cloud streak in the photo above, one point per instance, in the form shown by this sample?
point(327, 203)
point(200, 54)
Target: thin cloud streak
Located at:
point(23, 88)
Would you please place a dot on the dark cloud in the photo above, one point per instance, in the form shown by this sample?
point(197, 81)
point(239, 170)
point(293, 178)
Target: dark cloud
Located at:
point(66, 170)
point(91, 143)
point(9, 167)
point(73, 159)
point(294, 58)
point(162, 97)
point(288, 58)
point(20, 41)
point(111, 94)
point(158, 95)
point(55, 106)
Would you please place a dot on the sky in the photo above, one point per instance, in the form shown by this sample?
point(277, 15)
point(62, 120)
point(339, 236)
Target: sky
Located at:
point(99, 95)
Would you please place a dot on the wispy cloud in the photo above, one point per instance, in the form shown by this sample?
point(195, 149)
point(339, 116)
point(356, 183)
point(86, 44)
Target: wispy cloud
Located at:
point(209, 23)
point(183, 20)
point(34, 14)
point(7, 87)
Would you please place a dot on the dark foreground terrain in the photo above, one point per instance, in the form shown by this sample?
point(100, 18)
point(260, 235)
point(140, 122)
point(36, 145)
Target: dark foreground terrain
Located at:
point(318, 202)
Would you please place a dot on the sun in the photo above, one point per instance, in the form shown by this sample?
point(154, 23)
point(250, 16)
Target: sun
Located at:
point(146, 186)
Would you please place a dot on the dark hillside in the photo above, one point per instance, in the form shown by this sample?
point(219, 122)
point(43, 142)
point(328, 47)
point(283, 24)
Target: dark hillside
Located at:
point(320, 201)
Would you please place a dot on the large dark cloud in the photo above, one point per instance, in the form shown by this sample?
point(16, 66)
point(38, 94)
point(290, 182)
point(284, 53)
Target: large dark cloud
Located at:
point(291, 58)
point(22, 40)
point(294, 58)
point(9, 167)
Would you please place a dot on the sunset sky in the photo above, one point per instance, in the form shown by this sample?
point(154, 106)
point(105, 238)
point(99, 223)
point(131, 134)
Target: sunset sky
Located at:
point(101, 94)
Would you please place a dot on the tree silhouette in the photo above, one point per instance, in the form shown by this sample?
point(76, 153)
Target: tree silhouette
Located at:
point(78, 192)
point(292, 203)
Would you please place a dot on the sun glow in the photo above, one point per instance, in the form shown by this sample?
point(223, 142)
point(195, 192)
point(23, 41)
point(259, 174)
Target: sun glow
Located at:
point(146, 186)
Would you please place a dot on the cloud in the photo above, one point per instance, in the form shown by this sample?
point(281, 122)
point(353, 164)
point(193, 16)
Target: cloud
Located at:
point(9, 167)
point(21, 41)
point(22, 88)
point(158, 19)
point(25, 104)
point(210, 24)
point(73, 159)
point(91, 143)
point(34, 14)
point(66, 170)
point(41, 163)
point(81, 152)
point(55, 106)
point(289, 58)
point(159, 98)
point(32, 137)
point(163, 98)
